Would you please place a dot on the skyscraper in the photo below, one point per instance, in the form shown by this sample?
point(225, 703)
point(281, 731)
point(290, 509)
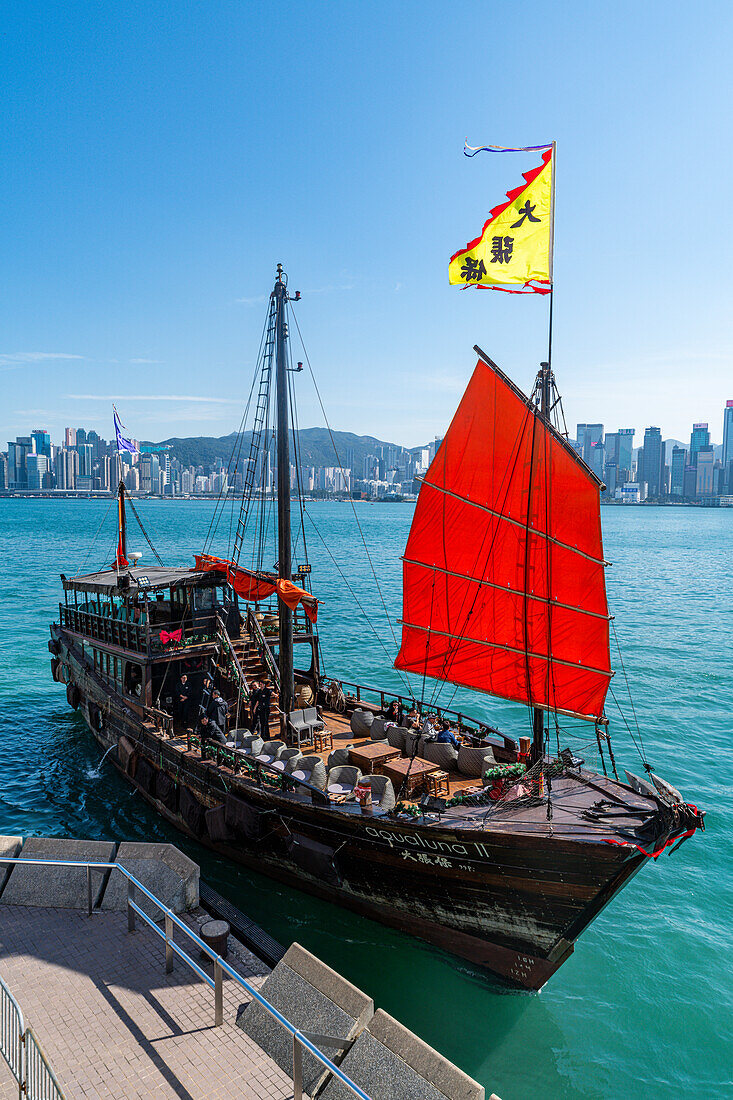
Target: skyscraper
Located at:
point(705, 463)
point(700, 438)
point(70, 437)
point(727, 434)
point(17, 455)
point(677, 478)
point(624, 453)
point(653, 461)
point(42, 442)
point(37, 466)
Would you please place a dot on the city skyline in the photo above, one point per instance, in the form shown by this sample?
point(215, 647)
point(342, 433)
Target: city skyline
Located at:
point(660, 469)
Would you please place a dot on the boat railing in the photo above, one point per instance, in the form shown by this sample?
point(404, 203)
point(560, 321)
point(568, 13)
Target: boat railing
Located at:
point(242, 764)
point(140, 636)
point(302, 1041)
point(103, 628)
point(255, 631)
point(377, 696)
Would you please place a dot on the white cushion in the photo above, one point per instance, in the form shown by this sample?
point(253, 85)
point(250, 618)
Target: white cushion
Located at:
point(279, 765)
point(300, 774)
point(339, 788)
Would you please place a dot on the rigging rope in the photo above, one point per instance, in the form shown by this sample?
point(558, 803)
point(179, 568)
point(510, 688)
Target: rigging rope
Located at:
point(341, 467)
point(145, 533)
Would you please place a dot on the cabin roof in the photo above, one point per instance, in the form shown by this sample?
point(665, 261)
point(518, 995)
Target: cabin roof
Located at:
point(143, 578)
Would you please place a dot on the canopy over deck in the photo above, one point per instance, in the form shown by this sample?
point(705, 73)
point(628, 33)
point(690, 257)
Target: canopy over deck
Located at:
point(140, 578)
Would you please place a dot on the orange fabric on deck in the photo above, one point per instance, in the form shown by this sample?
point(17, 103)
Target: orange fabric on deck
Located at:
point(253, 586)
point(248, 585)
point(478, 568)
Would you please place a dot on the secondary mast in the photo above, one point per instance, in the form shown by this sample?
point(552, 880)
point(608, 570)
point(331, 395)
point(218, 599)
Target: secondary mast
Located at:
point(285, 569)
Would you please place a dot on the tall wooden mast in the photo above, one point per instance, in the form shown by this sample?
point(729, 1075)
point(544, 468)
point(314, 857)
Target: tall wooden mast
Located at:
point(543, 385)
point(285, 568)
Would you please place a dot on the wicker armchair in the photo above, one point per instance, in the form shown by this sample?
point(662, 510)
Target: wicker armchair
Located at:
point(251, 745)
point(396, 737)
point(377, 731)
point(285, 756)
point(338, 756)
point(382, 791)
point(442, 754)
point(361, 722)
point(343, 779)
point(236, 737)
point(309, 769)
point(270, 752)
point(412, 742)
point(474, 761)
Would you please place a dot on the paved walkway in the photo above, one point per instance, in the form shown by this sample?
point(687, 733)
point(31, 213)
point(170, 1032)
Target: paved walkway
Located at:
point(112, 1023)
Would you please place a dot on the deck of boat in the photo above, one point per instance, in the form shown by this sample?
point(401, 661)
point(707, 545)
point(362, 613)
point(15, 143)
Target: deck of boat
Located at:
point(583, 803)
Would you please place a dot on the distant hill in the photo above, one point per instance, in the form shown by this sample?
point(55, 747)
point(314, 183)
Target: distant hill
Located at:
point(316, 448)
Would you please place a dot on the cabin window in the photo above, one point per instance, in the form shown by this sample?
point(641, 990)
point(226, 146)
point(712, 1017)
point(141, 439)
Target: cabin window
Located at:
point(133, 679)
point(117, 670)
point(203, 599)
point(107, 662)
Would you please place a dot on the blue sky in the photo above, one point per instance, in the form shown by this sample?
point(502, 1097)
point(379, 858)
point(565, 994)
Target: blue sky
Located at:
point(158, 160)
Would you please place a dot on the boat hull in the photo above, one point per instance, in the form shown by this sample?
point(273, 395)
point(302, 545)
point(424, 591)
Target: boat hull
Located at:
point(510, 904)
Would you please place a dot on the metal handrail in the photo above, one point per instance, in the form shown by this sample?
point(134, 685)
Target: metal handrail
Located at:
point(23, 1054)
point(227, 644)
point(221, 967)
point(41, 1082)
point(12, 1030)
point(253, 627)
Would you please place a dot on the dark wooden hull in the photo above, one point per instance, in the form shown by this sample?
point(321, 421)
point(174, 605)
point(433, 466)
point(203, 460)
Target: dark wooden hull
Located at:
point(511, 903)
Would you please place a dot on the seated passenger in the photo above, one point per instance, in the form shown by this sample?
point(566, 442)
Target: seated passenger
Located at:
point(393, 712)
point(446, 736)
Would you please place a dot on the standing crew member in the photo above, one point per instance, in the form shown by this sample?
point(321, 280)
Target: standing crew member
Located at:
point(262, 718)
point(183, 701)
point(219, 711)
point(254, 702)
point(206, 697)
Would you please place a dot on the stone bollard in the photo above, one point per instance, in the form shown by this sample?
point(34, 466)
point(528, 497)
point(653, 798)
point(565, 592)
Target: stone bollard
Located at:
point(215, 934)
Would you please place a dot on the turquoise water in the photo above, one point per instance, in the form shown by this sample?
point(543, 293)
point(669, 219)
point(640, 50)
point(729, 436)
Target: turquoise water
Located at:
point(645, 1005)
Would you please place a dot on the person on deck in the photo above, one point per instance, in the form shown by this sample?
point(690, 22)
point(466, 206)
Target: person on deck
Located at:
point(446, 736)
point(205, 706)
point(254, 702)
point(183, 700)
point(208, 730)
point(262, 714)
point(219, 710)
point(394, 712)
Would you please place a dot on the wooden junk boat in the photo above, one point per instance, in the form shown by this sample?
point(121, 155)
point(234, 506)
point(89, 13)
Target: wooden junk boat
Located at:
point(502, 852)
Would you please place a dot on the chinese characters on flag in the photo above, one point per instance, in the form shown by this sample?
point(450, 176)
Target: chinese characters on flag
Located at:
point(514, 245)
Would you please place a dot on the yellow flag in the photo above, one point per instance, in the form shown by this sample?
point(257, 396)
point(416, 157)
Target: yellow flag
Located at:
point(514, 245)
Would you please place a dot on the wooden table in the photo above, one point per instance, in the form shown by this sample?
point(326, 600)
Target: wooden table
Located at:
point(419, 770)
point(371, 758)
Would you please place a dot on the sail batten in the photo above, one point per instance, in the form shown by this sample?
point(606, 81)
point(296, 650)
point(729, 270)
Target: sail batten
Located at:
point(503, 573)
point(505, 588)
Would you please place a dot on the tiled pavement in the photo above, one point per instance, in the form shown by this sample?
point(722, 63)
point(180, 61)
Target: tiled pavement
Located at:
point(112, 1023)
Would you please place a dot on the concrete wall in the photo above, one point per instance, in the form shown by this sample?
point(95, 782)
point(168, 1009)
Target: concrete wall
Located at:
point(166, 872)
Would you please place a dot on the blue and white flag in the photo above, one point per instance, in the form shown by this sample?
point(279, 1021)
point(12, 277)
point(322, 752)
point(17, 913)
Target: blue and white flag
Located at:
point(123, 443)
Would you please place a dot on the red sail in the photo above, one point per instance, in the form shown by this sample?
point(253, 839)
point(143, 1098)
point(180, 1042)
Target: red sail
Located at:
point(503, 576)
